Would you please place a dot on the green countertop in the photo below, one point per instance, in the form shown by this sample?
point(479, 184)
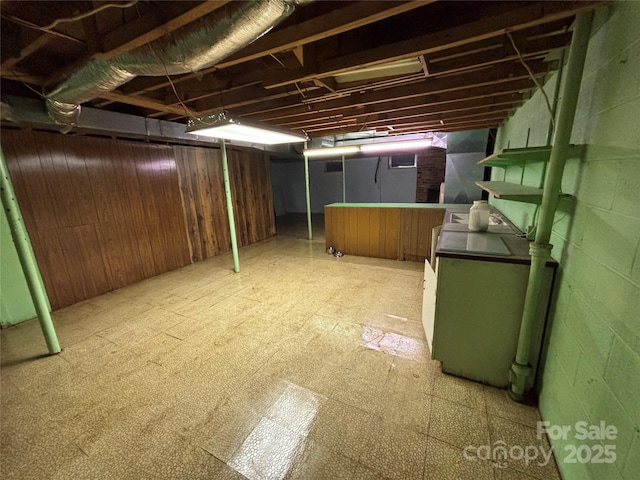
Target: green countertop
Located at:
point(398, 205)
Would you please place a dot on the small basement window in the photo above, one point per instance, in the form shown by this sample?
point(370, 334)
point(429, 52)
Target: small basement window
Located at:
point(332, 167)
point(402, 161)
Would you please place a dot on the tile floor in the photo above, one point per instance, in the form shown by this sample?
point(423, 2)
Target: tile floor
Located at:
point(300, 366)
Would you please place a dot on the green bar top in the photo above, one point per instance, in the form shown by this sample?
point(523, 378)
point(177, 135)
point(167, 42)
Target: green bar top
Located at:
point(400, 205)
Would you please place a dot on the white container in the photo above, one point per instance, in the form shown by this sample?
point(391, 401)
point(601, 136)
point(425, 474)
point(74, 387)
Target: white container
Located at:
point(479, 216)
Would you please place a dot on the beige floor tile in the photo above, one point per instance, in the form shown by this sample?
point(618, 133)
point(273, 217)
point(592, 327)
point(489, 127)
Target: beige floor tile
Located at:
point(318, 462)
point(457, 424)
point(421, 374)
point(296, 408)
point(269, 451)
point(405, 405)
point(362, 472)
point(459, 390)
point(221, 471)
point(519, 436)
point(224, 431)
point(509, 473)
point(445, 462)
point(499, 404)
point(342, 428)
point(395, 452)
point(300, 366)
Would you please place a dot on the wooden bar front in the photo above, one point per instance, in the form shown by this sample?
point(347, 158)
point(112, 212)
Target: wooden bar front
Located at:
point(394, 231)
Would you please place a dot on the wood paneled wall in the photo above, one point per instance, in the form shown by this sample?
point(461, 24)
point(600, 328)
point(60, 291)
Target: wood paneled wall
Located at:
point(101, 214)
point(104, 213)
point(202, 187)
point(415, 232)
point(394, 233)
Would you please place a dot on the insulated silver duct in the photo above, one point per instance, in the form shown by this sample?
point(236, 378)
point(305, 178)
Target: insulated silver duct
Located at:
point(195, 46)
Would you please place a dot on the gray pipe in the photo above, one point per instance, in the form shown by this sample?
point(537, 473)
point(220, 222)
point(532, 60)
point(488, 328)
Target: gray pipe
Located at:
point(195, 46)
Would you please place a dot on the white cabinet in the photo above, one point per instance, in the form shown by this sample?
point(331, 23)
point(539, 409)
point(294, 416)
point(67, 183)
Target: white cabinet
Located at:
point(473, 302)
point(429, 303)
point(477, 317)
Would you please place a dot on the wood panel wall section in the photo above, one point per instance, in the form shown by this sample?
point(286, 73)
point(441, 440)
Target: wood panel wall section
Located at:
point(202, 187)
point(415, 232)
point(382, 232)
point(101, 213)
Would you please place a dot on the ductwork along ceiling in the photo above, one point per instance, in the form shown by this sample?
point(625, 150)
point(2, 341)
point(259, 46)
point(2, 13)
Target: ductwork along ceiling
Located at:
point(284, 61)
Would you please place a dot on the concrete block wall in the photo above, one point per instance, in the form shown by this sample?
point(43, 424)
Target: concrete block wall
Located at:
point(591, 369)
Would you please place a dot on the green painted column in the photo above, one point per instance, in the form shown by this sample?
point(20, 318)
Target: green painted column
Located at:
point(541, 249)
point(28, 262)
point(344, 182)
point(232, 220)
point(307, 193)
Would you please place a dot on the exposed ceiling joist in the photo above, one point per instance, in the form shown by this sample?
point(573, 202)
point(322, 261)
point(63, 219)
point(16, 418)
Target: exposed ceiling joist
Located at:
point(468, 74)
point(491, 25)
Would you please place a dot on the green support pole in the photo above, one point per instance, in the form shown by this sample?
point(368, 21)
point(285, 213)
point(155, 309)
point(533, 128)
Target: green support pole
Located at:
point(344, 182)
point(27, 259)
point(232, 220)
point(541, 249)
point(308, 195)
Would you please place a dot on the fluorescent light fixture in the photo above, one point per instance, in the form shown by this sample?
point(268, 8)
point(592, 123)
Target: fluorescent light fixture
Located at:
point(397, 146)
point(221, 125)
point(382, 70)
point(331, 151)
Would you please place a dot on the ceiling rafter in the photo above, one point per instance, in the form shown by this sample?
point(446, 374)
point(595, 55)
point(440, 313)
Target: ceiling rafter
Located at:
point(332, 23)
point(409, 111)
point(469, 74)
point(139, 32)
point(491, 25)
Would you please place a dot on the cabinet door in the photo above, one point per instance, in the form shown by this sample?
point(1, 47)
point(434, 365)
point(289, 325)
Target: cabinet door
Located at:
point(429, 304)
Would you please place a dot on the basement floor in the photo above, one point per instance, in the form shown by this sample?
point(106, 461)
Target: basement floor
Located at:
point(300, 366)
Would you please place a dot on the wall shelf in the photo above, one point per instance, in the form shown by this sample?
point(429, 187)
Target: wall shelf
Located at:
point(521, 156)
point(512, 191)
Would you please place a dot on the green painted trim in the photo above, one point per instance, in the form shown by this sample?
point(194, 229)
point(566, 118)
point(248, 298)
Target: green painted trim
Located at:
point(308, 193)
point(344, 181)
point(232, 221)
point(27, 258)
point(541, 250)
point(400, 205)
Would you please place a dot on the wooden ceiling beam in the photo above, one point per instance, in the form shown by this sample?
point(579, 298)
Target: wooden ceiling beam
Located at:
point(332, 23)
point(491, 77)
point(453, 126)
point(442, 120)
point(434, 100)
point(26, 51)
point(142, 102)
point(150, 27)
point(253, 95)
point(398, 122)
point(456, 127)
point(318, 28)
point(407, 110)
point(141, 31)
point(493, 23)
point(19, 76)
point(498, 42)
point(531, 48)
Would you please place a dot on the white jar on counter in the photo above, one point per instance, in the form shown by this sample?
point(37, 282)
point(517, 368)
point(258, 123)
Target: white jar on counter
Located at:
point(479, 216)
